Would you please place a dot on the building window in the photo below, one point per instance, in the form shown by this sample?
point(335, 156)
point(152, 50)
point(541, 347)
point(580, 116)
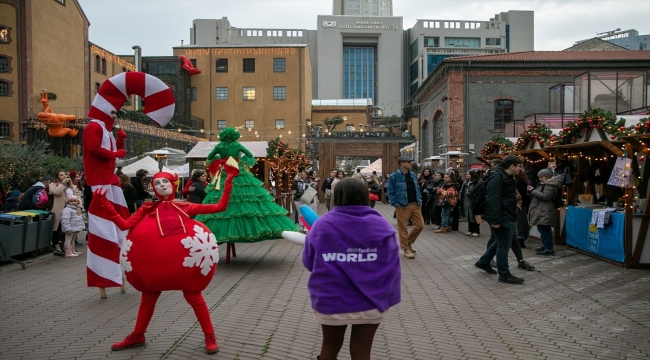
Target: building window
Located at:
point(279, 93)
point(123, 69)
point(503, 110)
point(221, 124)
point(97, 86)
point(280, 65)
point(190, 94)
point(4, 64)
point(249, 65)
point(279, 124)
point(431, 42)
point(62, 2)
point(98, 64)
point(248, 93)
point(5, 88)
point(349, 128)
point(193, 61)
point(492, 41)
point(4, 34)
point(414, 50)
point(359, 72)
point(4, 129)
point(249, 124)
point(222, 65)
point(462, 42)
point(222, 93)
point(104, 66)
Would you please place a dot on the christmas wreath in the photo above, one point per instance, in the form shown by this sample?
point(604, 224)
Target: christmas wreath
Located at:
point(536, 132)
point(496, 144)
point(591, 119)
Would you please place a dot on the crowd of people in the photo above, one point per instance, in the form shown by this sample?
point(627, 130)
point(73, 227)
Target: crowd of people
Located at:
point(67, 197)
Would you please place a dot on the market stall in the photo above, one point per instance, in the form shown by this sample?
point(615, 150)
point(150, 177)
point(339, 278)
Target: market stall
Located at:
point(607, 174)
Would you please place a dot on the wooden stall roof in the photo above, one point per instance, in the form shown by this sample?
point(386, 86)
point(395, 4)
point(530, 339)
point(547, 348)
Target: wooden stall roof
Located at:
point(202, 149)
point(640, 142)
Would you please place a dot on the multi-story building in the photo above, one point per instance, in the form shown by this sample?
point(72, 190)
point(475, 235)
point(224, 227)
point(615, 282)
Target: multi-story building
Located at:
point(433, 40)
point(103, 66)
point(266, 89)
point(33, 58)
point(363, 7)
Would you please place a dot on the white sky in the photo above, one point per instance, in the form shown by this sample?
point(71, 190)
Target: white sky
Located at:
point(158, 25)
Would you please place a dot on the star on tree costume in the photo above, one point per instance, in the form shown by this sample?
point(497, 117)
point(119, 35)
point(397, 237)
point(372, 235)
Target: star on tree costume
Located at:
point(252, 214)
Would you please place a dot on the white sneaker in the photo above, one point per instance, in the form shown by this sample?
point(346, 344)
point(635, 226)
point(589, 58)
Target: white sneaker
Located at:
point(469, 233)
point(475, 235)
point(435, 227)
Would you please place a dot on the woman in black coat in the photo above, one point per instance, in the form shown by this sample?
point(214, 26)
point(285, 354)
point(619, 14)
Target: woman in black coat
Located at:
point(198, 183)
point(129, 192)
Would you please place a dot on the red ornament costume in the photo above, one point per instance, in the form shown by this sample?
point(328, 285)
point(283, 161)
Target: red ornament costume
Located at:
point(99, 153)
point(166, 249)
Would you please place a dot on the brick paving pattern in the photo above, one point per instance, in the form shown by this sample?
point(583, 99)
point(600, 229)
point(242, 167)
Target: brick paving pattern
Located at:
point(572, 306)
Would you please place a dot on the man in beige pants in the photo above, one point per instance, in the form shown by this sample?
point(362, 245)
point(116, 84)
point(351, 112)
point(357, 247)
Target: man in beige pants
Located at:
point(404, 195)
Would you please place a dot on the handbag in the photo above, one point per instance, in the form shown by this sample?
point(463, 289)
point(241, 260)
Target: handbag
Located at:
point(308, 195)
point(622, 174)
point(373, 197)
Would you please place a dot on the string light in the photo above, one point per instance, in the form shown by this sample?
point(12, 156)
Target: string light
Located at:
point(95, 50)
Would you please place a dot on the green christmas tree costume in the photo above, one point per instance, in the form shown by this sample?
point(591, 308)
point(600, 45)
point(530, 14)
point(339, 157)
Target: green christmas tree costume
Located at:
point(252, 214)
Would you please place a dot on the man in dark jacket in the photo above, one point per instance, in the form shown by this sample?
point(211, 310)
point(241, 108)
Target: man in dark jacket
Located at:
point(138, 184)
point(500, 214)
point(434, 205)
point(326, 187)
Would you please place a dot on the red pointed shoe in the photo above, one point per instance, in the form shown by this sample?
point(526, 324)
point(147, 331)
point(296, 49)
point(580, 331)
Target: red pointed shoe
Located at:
point(211, 346)
point(133, 340)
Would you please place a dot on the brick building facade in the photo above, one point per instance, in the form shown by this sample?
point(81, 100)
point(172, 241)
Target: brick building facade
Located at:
point(467, 100)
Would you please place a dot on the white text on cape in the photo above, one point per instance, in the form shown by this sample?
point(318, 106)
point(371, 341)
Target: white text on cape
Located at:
point(349, 257)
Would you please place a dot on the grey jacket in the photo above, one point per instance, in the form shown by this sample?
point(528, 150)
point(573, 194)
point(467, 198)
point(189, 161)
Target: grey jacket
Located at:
point(541, 210)
point(70, 221)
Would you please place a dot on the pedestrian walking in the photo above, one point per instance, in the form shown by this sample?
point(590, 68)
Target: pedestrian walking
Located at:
point(404, 195)
point(500, 214)
point(355, 279)
point(542, 212)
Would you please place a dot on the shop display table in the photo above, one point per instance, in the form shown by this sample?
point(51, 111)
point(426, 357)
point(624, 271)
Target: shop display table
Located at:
point(607, 242)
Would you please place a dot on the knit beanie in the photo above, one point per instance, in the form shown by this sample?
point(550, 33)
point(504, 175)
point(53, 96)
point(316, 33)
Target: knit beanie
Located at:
point(547, 173)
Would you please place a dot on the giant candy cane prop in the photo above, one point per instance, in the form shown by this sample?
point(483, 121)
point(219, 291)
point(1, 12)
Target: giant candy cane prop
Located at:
point(100, 150)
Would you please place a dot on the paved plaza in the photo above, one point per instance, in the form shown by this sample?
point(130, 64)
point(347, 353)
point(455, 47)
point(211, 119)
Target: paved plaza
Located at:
point(571, 307)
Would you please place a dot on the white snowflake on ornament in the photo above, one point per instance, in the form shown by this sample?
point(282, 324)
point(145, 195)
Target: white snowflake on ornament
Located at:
point(203, 250)
point(124, 259)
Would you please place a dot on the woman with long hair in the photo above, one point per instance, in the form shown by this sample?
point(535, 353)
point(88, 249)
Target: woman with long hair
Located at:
point(339, 176)
point(359, 290)
point(60, 189)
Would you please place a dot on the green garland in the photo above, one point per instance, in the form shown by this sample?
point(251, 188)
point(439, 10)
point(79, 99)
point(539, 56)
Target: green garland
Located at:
point(642, 127)
point(496, 144)
point(604, 122)
point(536, 132)
point(277, 148)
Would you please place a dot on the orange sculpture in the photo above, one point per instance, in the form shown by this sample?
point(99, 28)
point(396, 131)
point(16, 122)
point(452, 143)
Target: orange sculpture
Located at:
point(54, 121)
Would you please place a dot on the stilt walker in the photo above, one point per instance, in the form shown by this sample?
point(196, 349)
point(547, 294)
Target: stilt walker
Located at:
point(100, 150)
